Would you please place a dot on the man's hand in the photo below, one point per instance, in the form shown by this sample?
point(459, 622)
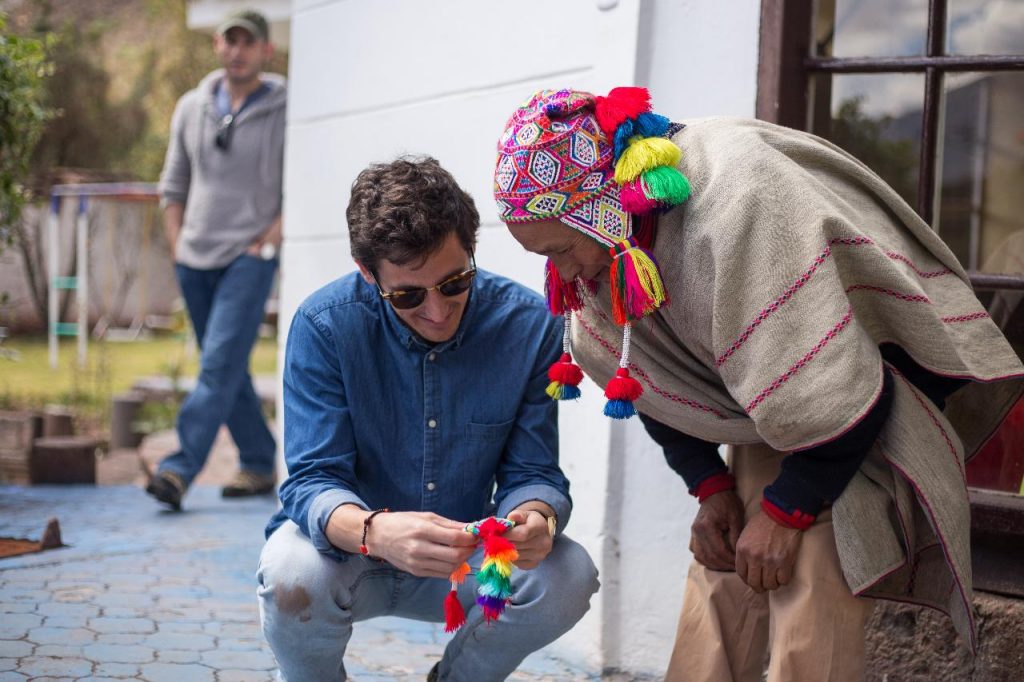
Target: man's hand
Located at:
point(420, 543)
point(272, 235)
point(715, 531)
point(766, 553)
point(530, 536)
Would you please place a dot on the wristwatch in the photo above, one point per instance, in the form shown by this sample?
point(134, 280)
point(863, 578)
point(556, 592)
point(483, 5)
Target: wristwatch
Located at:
point(268, 251)
point(552, 523)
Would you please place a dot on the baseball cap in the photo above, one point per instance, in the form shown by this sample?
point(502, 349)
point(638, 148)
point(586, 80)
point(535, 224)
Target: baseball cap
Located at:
point(250, 20)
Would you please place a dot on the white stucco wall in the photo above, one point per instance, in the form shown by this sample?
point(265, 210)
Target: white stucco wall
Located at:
point(373, 79)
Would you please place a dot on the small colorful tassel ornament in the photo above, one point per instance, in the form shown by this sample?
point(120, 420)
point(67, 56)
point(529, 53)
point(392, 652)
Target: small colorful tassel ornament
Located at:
point(563, 298)
point(493, 580)
point(565, 375)
point(623, 390)
point(494, 585)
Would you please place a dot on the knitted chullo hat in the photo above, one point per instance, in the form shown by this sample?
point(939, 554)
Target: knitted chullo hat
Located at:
point(603, 166)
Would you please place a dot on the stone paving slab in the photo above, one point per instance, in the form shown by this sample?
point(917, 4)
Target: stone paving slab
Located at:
point(146, 594)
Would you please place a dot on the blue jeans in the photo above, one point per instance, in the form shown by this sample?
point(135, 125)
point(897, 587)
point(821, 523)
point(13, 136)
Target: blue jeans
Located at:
point(308, 603)
point(226, 306)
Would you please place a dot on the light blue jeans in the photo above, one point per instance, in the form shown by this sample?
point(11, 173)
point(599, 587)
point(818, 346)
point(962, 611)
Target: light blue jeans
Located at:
point(308, 603)
point(226, 307)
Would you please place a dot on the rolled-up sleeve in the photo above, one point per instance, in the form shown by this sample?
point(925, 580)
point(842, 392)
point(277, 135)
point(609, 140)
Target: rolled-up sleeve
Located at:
point(529, 466)
point(319, 443)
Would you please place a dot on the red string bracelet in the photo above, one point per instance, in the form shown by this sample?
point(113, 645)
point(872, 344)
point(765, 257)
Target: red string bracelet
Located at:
point(363, 549)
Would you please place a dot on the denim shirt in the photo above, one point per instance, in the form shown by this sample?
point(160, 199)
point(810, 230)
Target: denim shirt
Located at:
point(375, 416)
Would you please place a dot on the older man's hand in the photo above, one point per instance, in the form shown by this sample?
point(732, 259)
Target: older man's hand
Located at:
point(715, 531)
point(766, 553)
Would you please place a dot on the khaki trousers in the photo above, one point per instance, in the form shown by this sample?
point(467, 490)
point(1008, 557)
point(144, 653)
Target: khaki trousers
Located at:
point(811, 629)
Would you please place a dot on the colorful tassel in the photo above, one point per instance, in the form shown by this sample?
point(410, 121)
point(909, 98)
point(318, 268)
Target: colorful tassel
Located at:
point(494, 587)
point(647, 124)
point(666, 185)
point(621, 392)
point(561, 296)
point(637, 287)
point(634, 197)
point(644, 153)
point(620, 105)
point(623, 389)
point(565, 375)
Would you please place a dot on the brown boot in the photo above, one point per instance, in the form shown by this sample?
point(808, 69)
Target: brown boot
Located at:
point(246, 484)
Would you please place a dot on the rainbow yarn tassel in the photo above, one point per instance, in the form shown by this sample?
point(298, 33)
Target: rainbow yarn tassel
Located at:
point(637, 288)
point(494, 585)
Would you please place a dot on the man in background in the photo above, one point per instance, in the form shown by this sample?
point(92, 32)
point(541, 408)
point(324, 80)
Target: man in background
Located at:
point(220, 190)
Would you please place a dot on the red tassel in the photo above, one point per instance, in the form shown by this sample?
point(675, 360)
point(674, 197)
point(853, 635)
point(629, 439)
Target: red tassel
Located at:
point(623, 387)
point(561, 296)
point(454, 616)
point(620, 105)
point(565, 371)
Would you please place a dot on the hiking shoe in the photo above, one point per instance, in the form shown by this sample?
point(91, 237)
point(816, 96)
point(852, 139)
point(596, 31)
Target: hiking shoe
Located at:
point(167, 487)
point(246, 484)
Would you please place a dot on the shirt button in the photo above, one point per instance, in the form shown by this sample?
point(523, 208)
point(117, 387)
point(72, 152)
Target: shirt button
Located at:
point(431, 485)
point(432, 357)
point(432, 423)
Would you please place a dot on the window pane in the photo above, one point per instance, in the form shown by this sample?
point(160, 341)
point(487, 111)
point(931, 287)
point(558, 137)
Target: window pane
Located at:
point(981, 217)
point(871, 28)
point(877, 118)
point(981, 202)
point(985, 27)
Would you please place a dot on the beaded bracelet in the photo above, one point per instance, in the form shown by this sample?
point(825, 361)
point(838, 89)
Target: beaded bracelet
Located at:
point(363, 549)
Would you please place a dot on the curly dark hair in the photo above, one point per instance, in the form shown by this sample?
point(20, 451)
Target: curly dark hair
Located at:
point(404, 210)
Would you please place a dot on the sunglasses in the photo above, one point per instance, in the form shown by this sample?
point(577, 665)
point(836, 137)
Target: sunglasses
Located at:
point(223, 138)
point(411, 298)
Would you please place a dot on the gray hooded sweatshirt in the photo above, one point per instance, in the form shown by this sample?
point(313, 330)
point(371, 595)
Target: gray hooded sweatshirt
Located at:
point(231, 196)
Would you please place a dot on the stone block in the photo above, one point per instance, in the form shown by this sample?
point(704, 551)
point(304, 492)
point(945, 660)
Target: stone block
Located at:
point(907, 642)
point(18, 430)
point(64, 459)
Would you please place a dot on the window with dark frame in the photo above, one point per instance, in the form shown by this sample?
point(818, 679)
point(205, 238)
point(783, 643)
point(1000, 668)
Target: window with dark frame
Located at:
point(930, 95)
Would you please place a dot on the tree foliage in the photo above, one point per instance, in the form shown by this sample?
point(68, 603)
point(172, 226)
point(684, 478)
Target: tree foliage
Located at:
point(23, 118)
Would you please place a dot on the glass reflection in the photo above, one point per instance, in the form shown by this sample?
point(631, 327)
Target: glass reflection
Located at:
point(985, 27)
point(870, 28)
point(981, 205)
point(877, 118)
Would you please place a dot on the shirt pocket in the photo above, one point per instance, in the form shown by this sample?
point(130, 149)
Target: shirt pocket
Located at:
point(485, 443)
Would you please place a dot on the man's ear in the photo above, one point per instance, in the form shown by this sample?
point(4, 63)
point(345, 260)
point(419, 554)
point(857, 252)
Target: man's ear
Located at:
point(367, 275)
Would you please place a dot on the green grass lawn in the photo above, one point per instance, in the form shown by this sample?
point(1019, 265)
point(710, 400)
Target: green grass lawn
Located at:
point(112, 368)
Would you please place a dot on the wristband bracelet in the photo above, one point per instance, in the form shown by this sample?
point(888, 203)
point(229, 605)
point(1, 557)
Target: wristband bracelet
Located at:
point(363, 549)
point(715, 483)
point(794, 519)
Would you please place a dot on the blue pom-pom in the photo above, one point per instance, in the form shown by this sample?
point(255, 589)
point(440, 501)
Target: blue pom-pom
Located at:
point(647, 124)
point(650, 124)
point(570, 392)
point(622, 135)
point(619, 409)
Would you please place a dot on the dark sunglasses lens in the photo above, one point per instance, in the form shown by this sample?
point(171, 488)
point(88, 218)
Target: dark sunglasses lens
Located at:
point(457, 286)
point(408, 299)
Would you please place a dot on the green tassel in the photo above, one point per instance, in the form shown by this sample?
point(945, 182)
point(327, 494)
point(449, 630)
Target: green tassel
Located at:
point(667, 185)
